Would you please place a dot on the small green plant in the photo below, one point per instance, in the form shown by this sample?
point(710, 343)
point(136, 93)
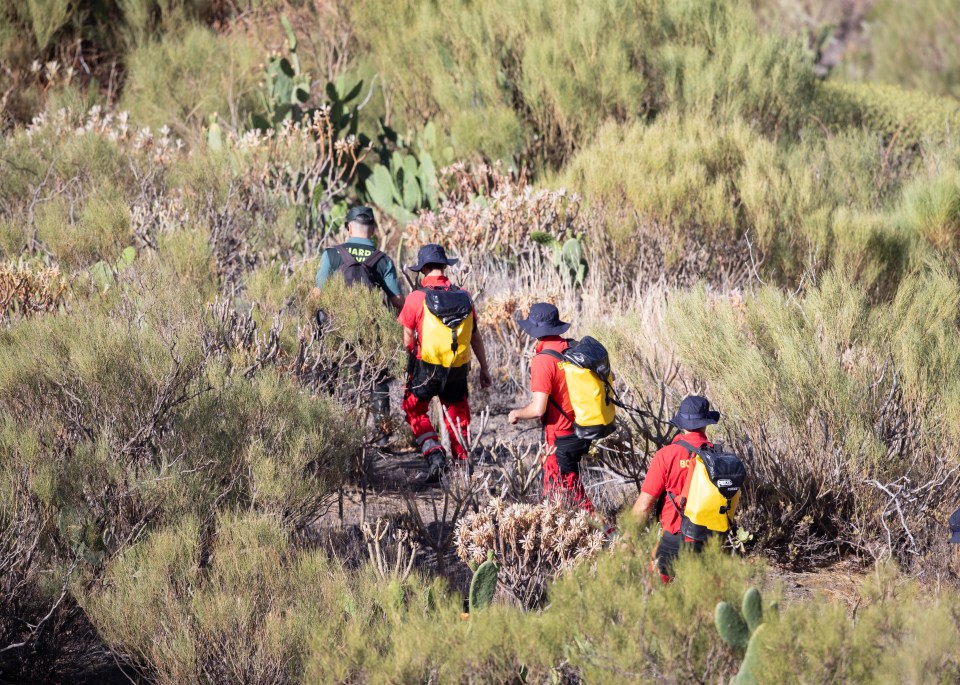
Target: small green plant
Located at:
point(287, 92)
point(484, 583)
point(104, 274)
point(215, 134)
point(741, 631)
point(287, 86)
point(405, 180)
point(567, 255)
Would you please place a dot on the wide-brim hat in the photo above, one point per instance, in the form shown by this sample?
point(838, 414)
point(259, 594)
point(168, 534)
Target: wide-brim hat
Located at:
point(543, 320)
point(695, 413)
point(432, 254)
point(955, 527)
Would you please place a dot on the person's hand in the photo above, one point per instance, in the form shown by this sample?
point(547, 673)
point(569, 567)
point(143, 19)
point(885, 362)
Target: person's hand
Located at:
point(512, 417)
point(485, 379)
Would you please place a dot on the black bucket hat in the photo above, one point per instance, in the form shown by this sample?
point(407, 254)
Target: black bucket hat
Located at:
point(543, 320)
point(695, 413)
point(432, 254)
point(955, 527)
point(362, 215)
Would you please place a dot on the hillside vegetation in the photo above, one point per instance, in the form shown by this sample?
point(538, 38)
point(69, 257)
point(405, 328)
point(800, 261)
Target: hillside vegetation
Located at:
point(759, 201)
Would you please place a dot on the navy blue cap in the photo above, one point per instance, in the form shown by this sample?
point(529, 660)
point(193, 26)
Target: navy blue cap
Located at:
point(694, 413)
point(432, 254)
point(955, 527)
point(362, 215)
point(543, 320)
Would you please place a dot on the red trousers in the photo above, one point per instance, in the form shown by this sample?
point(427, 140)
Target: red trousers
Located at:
point(565, 483)
point(456, 416)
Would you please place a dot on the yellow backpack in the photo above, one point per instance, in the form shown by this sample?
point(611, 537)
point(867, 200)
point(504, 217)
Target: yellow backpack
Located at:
point(586, 369)
point(712, 492)
point(447, 327)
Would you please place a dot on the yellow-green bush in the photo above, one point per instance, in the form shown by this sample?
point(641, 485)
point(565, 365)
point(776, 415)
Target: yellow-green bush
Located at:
point(133, 392)
point(687, 182)
point(930, 208)
point(243, 615)
point(180, 82)
point(902, 117)
point(507, 76)
point(901, 632)
point(100, 232)
point(275, 611)
point(909, 44)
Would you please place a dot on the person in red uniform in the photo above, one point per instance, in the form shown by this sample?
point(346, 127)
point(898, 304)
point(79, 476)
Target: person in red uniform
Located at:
point(423, 384)
point(667, 476)
point(551, 405)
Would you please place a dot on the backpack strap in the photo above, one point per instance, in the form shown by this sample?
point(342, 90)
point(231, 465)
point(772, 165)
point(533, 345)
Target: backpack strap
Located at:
point(686, 486)
point(372, 260)
point(559, 357)
point(346, 259)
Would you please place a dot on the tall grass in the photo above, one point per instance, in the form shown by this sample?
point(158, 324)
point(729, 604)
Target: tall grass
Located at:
point(507, 77)
point(782, 209)
point(908, 44)
point(180, 82)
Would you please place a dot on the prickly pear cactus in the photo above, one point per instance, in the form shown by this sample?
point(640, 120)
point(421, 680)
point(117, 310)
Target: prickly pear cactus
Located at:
point(404, 186)
point(484, 584)
point(568, 257)
point(396, 595)
point(215, 134)
point(740, 631)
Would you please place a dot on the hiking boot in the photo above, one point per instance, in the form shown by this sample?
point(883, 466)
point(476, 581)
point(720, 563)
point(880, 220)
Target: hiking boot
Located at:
point(437, 467)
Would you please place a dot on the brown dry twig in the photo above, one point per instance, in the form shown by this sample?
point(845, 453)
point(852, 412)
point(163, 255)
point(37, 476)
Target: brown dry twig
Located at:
point(395, 561)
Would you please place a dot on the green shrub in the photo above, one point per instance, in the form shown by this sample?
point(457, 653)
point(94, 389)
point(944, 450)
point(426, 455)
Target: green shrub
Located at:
point(179, 82)
point(930, 208)
point(134, 394)
point(901, 633)
point(264, 605)
point(908, 44)
point(902, 117)
point(507, 76)
point(612, 623)
point(243, 615)
point(47, 17)
point(189, 259)
point(100, 233)
point(687, 184)
point(357, 343)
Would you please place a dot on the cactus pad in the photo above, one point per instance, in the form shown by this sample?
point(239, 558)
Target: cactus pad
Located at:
point(483, 585)
point(752, 608)
point(732, 628)
point(396, 594)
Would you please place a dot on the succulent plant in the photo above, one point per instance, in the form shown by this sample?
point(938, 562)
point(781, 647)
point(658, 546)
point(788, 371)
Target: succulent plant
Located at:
point(406, 184)
point(567, 255)
point(215, 134)
point(396, 594)
point(740, 631)
point(104, 273)
point(484, 583)
point(287, 89)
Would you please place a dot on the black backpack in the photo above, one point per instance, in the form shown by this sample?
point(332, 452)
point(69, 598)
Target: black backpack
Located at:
point(356, 272)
